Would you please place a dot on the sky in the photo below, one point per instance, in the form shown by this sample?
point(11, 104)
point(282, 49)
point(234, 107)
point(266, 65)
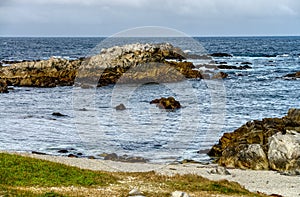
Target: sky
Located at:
point(108, 17)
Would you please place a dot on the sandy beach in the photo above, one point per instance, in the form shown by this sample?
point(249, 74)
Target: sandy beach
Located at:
point(268, 182)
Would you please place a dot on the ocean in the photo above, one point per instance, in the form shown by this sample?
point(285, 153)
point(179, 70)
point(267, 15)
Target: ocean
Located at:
point(92, 126)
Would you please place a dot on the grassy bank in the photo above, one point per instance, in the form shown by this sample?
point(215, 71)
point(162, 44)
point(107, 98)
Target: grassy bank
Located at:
point(23, 176)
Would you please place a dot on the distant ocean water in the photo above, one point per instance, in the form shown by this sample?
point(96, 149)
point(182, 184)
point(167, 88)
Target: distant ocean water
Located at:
point(27, 123)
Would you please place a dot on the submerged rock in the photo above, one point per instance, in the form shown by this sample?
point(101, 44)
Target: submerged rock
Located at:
point(121, 107)
point(234, 67)
point(272, 143)
point(167, 103)
point(220, 55)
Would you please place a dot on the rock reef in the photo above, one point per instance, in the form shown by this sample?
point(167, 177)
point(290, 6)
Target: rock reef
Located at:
point(271, 143)
point(133, 63)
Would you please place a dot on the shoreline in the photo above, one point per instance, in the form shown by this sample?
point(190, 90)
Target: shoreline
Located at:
point(267, 182)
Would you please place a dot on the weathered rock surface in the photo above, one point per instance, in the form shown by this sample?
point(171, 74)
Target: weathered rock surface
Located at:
point(47, 73)
point(134, 63)
point(272, 143)
point(169, 103)
point(3, 86)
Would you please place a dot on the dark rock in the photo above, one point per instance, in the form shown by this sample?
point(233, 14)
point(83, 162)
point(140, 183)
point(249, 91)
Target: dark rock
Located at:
point(121, 107)
point(270, 143)
point(220, 55)
point(63, 151)
point(38, 153)
point(72, 156)
point(167, 103)
point(293, 75)
point(246, 63)
point(91, 157)
point(58, 114)
point(234, 67)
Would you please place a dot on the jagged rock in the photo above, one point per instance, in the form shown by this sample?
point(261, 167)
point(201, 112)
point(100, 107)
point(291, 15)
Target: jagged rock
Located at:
point(220, 55)
point(284, 152)
point(167, 103)
point(3, 86)
point(133, 63)
point(220, 75)
point(249, 146)
point(121, 107)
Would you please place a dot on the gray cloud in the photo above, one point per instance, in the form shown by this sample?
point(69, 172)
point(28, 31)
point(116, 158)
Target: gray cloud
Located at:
point(106, 17)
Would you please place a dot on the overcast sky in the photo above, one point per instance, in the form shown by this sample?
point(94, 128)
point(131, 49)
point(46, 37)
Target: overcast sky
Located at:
point(107, 17)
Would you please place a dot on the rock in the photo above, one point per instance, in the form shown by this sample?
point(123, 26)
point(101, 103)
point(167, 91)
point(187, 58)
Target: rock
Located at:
point(220, 55)
point(234, 67)
point(124, 158)
point(72, 156)
point(220, 75)
point(262, 144)
point(220, 171)
point(58, 114)
point(63, 151)
point(179, 194)
point(284, 152)
point(292, 75)
point(3, 86)
point(169, 103)
point(132, 63)
point(246, 63)
point(121, 107)
point(38, 153)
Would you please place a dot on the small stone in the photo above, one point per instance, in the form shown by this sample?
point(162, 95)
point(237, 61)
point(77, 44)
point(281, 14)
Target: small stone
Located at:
point(121, 107)
point(179, 194)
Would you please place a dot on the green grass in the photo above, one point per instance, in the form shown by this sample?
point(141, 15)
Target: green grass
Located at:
point(25, 176)
point(23, 171)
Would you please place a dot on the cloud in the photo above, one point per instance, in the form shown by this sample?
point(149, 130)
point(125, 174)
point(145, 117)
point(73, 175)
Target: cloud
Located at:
point(110, 16)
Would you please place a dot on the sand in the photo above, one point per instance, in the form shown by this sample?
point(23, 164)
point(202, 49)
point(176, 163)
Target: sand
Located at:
point(268, 182)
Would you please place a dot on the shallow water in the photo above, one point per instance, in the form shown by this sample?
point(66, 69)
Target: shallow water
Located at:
point(92, 125)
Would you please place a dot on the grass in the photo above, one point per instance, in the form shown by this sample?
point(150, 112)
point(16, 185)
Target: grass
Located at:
point(24, 176)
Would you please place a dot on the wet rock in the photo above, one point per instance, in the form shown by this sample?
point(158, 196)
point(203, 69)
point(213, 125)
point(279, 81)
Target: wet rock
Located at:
point(58, 114)
point(3, 86)
point(180, 194)
point(167, 103)
point(220, 75)
point(220, 55)
point(262, 144)
point(72, 156)
point(38, 153)
point(63, 151)
point(292, 75)
point(234, 67)
point(246, 63)
point(121, 107)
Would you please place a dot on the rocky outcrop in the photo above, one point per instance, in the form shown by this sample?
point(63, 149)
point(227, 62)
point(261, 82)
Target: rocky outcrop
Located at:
point(46, 73)
point(3, 86)
point(120, 107)
point(134, 63)
point(272, 143)
point(170, 104)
